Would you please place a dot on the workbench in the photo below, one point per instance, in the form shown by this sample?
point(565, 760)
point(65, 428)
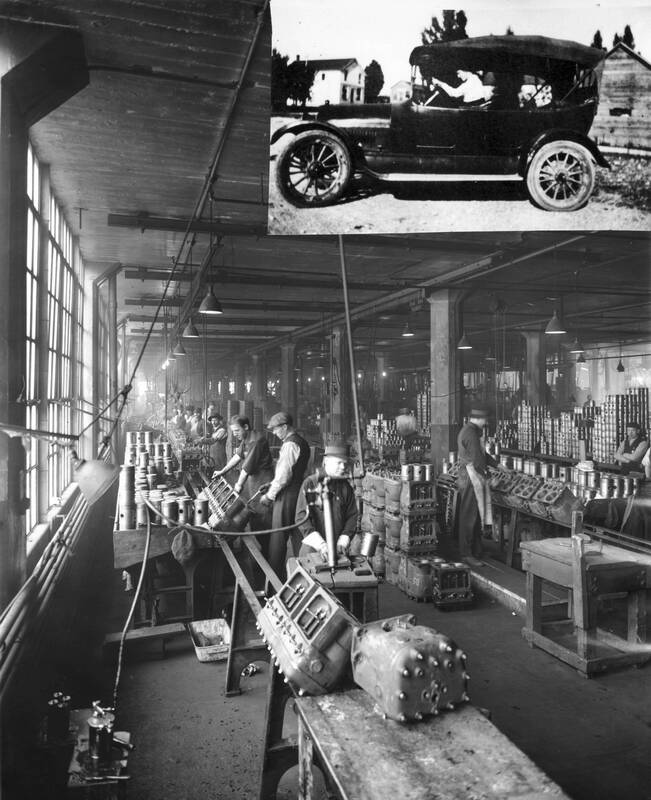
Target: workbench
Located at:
point(453, 756)
point(589, 570)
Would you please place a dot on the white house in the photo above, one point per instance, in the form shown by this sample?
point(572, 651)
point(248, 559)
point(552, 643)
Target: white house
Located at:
point(336, 80)
point(401, 91)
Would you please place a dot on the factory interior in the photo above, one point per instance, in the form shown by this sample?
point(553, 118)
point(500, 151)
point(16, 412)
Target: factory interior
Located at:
point(169, 626)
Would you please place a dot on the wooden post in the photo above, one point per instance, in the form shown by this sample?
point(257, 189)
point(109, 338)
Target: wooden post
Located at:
point(581, 606)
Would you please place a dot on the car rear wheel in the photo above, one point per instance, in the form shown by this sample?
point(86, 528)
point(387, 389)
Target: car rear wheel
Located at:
point(560, 176)
point(313, 169)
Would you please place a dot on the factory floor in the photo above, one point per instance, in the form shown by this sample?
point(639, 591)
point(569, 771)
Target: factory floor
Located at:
point(590, 736)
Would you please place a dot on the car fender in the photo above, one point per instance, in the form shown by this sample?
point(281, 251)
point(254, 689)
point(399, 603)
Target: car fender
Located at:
point(554, 134)
point(298, 127)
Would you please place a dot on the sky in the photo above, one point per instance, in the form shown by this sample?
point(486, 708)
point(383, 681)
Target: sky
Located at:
point(388, 31)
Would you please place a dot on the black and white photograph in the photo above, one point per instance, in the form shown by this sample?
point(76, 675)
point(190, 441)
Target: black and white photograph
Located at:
point(389, 118)
point(325, 375)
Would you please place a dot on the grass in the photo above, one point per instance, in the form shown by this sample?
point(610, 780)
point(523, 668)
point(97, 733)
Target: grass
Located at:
point(629, 179)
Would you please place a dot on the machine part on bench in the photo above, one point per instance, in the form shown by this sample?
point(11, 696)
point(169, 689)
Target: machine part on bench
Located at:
point(411, 671)
point(308, 632)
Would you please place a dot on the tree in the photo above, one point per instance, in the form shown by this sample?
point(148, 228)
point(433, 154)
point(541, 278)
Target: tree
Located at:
point(289, 81)
point(509, 31)
point(453, 28)
point(373, 81)
point(279, 89)
point(300, 78)
point(628, 39)
point(616, 39)
point(597, 41)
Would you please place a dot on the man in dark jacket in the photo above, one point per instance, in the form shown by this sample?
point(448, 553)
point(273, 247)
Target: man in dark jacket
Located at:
point(474, 511)
point(309, 508)
point(285, 487)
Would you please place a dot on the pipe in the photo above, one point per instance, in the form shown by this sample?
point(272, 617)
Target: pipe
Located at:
point(351, 356)
point(331, 542)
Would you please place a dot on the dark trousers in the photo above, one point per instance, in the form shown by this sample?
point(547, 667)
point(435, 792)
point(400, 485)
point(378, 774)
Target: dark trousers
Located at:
point(284, 509)
point(469, 523)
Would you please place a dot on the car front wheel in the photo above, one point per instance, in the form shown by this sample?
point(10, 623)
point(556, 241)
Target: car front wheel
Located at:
point(313, 169)
point(560, 176)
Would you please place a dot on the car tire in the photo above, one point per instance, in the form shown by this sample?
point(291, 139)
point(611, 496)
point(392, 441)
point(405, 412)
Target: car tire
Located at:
point(313, 169)
point(560, 176)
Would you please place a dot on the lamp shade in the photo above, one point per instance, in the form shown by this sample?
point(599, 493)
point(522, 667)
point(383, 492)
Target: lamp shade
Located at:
point(170, 356)
point(577, 347)
point(210, 304)
point(620, 367)
point(94, 478)
point(464, 344)
point(580, 359)
point(554, 326)
point(407, 331)
point(190, 331)
point(179, 350)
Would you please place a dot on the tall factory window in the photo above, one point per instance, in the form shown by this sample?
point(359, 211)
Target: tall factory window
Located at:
point(54, 292)
point(30, 389)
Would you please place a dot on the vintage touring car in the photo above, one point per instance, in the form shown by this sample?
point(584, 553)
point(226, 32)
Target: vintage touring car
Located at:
point(531, 122)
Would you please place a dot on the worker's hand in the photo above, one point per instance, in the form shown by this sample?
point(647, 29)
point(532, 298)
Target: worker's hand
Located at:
point(238, 487)
point(217, 473)
point(318, 543)
point(266, 500)
point(343, 543)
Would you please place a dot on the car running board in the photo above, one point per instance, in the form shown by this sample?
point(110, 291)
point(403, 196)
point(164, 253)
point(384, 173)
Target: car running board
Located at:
point(406, 177)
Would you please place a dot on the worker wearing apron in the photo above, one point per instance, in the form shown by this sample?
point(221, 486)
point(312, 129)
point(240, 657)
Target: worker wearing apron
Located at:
point(285, 487)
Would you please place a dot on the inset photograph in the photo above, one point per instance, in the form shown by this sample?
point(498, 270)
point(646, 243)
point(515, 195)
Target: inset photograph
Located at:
point(397, 120)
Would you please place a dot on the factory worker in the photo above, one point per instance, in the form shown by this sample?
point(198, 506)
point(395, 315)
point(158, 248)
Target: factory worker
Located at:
point(336, 467)
point(216, 439)
point(474, 509)
point(251, 452)
point(632, 449)
point(284, 489)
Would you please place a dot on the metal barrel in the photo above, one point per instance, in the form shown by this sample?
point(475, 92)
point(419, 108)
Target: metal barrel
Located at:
point(369, 544)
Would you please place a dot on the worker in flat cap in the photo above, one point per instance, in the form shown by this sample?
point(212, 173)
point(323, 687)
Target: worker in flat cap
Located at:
point(284, 489)
point(309, 508)
point(632, 449)
point(474, 511)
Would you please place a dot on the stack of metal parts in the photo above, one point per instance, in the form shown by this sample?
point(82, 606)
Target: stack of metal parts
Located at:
point(309, 633)
point(411, 529)
point(411, 671)
point(430, 579)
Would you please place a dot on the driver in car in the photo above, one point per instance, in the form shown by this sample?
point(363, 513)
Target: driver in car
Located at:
point(471, 90)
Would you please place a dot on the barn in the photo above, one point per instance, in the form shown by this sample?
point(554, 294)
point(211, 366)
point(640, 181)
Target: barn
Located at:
point(625, 101)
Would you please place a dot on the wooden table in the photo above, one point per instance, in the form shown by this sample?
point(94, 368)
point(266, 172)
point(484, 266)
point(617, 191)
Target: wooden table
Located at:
point(453, 756)
point(588, 570)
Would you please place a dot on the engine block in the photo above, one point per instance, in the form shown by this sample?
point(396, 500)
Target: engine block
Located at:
point(411, 671)
point(308, 632)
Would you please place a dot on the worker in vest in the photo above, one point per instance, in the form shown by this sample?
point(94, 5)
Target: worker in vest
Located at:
point(284, 489)
point(632, 449)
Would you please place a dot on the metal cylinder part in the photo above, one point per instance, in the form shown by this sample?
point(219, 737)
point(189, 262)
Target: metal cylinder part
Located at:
point(369, 544)
point(418, 472)
point(201, 511)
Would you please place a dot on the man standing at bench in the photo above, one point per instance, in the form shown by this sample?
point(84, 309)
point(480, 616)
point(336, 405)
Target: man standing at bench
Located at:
point(474, 509)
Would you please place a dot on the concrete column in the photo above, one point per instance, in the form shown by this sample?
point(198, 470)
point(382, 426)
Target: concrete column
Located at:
point(288, 379)
point(381, 381)
point(239, 378)
point(446, 375)
point(535, 373)
point(259, 388)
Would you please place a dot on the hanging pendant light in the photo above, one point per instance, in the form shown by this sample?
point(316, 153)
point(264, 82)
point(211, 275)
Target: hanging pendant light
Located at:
point(554, 326)
point(210, 304)
point(580, 359)
point(464, 343)
point(620, 367)
point(170, 356)
point(407, 331)
point(577, 347)
point(178, 349)
point(490, 356)
point(190, 331)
